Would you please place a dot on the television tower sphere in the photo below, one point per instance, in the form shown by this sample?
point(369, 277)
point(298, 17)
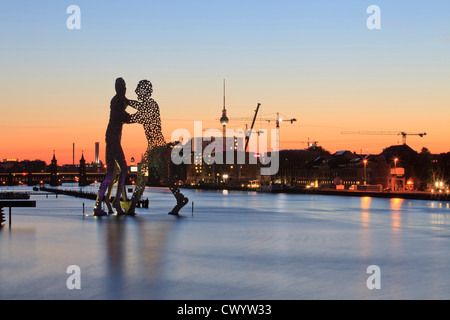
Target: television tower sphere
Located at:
point(224, 119)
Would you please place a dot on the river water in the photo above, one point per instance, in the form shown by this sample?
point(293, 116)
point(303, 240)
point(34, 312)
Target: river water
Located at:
point(229, 245)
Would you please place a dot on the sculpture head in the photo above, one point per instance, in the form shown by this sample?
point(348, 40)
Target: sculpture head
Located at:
point(144, 90)
point(120, 86)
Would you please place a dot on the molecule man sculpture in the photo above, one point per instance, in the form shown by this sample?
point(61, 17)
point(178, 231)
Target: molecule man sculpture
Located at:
point(149, 116)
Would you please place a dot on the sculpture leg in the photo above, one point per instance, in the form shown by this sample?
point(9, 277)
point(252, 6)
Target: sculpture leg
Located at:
point(156, 156)
point(121, 183)
point(181, 200)
point(107, 198)
point(140, 186)
point(107, 182)
point(109, 177)
point(124, 193)
point(163, 172)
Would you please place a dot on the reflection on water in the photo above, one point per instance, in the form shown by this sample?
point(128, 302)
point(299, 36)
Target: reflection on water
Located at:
point(132, 254)
point(396, 208)
point(235, 245)
point(440, 217)
point(365, 208)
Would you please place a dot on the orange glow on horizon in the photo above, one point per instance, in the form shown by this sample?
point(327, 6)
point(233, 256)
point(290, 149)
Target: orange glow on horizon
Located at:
point(38, 143)
point(35, 134)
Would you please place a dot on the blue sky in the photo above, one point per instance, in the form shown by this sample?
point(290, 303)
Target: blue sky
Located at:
point(302, 58)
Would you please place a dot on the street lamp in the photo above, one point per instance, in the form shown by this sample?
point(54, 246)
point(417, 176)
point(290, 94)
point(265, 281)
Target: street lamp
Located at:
point(365, 171)
point(395, 162)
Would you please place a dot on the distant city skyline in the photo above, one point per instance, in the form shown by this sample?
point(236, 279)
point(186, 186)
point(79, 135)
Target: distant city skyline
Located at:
point(313, 60)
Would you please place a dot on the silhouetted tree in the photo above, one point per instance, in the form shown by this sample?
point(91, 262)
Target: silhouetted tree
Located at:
point(442, 169)
point(424, 169)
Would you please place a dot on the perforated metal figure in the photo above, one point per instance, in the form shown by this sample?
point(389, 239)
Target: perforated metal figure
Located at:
point(114, 153)
point(149, 116)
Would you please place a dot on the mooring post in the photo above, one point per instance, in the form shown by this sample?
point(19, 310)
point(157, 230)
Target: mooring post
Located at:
point(192, 208)
point(83, 209)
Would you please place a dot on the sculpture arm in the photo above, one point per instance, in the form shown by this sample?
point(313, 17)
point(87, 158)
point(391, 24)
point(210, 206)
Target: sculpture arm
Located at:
point(134, 118)
point(133, 103)
point(136, 105)
point(126, 117)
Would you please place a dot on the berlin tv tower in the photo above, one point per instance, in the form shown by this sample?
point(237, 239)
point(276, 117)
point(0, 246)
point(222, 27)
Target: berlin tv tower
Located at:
point(224, 118)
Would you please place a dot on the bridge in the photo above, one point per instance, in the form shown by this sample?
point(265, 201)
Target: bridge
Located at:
point(31, 179)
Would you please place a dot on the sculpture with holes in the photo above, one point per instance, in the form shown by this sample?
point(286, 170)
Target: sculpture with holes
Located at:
point(149, 116)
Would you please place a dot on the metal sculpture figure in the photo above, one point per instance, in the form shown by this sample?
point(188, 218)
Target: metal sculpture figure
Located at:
point(107, 198)
point(115, 158)
point(149, 116)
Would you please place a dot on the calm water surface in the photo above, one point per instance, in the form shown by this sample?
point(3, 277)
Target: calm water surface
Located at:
point(233, 245)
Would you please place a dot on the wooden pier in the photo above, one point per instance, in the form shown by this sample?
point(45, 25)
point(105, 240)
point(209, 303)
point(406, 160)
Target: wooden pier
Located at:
point(88, 195)
point(14, 203)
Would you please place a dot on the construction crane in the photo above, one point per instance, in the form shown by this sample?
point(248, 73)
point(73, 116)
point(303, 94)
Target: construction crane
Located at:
point(247, 138)
point(277, 120)
point(310, 143)
point(389, 133)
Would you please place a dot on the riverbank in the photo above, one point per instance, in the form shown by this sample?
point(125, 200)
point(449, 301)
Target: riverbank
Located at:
point(417, 195)
point(414, 195)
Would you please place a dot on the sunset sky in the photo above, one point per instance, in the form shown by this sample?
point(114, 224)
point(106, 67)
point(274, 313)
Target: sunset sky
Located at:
point(315, 61)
